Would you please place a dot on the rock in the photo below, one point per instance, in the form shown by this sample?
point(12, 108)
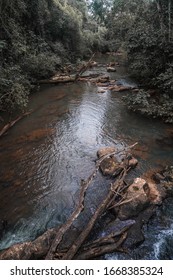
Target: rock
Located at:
point(133, 162)
point(110, 166)
point(135, 234)
point(111, 69)
point(138, 196)
point(111, 64)
point(93, 64)
point(117, 226)
point(101, 91)
point(135, 90)
point(156, 193)
point(117, 88)
point(168, 173)
point(165, 181)
point(105, 151)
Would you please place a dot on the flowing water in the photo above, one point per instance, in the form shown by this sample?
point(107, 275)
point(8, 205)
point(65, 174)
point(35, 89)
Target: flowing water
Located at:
point(47, 154)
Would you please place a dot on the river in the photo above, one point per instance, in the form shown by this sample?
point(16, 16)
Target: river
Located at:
point(47, 154)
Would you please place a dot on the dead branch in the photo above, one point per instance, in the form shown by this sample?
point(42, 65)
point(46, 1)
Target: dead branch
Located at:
point(101, 250)
point(12, 123)
point(84, 67)
point(106, 239)
point(75, 214)
point(102, 207)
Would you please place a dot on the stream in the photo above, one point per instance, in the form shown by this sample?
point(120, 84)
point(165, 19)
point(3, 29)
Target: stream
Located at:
point(45, 156)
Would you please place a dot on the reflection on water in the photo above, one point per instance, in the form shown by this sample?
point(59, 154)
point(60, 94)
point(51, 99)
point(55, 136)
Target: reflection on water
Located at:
point(45, 156)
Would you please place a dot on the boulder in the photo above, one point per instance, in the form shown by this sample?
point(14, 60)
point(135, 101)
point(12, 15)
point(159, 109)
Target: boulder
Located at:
point(105, 151)
point(137, 197)
point(135, 234)
point(116, 226)
point(110, 166)
point(156, 193)
point(111, 69)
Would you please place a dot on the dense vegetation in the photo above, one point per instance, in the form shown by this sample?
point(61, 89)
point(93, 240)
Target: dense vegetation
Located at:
point(146, 28)
point(38, 36)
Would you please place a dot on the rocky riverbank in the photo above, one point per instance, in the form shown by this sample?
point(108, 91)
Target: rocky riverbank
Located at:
point(118, 222)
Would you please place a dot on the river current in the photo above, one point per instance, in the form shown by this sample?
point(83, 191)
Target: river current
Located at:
point(47, 154)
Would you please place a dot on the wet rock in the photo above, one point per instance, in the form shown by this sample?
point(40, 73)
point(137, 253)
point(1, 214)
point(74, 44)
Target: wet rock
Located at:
point(93, 64)
point(156, 193)
point(135, 234)
point(116, 226)
point(117, 88)
point(137, 197)
point(105, 151)
point(101, 91)
point(168, 173)
point(165, 181)
point(111, 69)
point(110, 166)
point(111, 64)
point(133, 162)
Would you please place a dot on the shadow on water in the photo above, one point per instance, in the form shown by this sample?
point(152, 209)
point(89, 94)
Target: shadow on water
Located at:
point(46, 155)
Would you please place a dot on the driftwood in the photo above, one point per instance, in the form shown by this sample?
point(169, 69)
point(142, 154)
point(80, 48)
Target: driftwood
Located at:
point(101, 250)
point(12, 123)
point(30, 250)
point(57, 79)
point(75, 214)
point(102, 207)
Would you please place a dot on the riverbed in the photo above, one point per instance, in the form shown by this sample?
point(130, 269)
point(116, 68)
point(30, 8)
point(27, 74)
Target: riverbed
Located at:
point(45, 156)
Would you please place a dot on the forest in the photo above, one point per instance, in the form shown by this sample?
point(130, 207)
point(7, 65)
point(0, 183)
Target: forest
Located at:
point(38, 37)
point(86, 114)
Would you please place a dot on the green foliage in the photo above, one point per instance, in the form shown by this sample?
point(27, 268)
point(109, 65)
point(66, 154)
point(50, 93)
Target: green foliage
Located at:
point(158, 106)
point(36, 38)
point(14, 89)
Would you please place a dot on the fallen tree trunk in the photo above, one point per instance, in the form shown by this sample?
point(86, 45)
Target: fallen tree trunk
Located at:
point(36, 249)
point(74, 216)
point(102, 207)
point(58, 79)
